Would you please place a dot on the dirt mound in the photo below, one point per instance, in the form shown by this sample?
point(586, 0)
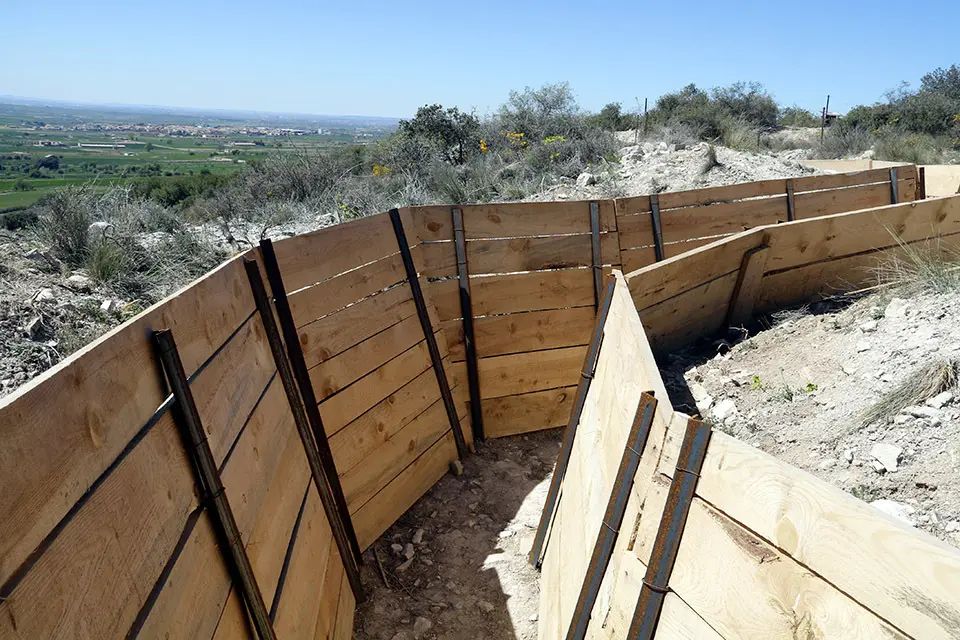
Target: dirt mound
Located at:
point(821, 391)
point(655, 168)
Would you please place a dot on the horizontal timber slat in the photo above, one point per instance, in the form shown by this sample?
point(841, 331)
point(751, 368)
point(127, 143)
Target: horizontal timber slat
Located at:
point(520, 332)
point(512, 415)
point(55, 447)
point(511, 220)
point(532, 371)
point(520, 254)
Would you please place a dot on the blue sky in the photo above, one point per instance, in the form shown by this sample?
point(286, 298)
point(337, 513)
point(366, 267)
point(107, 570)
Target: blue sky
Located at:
point(388, 58)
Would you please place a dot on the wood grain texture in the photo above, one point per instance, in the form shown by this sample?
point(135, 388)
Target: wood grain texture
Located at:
point(55, 447)
point(520, 254)
point(698, 313)
point(307, 574)
point(332, 599)
point(511, 220)
point(314, 257)
point(393, 455)
point(531, 371)
point(514, 293)
point(325, 338)
point(512, 415)
point(753, 590)
point(748, 287)
point(345, 613)
point(520, 332)
point(340, 371)
point(908, 577)
point(341, 409)
point(306, 305)
point(638, 258)
point(393, 500)
point(811, 205)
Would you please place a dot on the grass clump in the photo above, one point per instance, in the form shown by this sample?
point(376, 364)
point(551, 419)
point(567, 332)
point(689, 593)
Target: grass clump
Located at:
point(911, 269)
point(929, 380)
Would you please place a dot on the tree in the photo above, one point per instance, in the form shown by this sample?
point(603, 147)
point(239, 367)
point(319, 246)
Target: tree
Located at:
point(50, 162)
point(945, 82)
point(148, 147)
point(551, 110)
point(450, 128)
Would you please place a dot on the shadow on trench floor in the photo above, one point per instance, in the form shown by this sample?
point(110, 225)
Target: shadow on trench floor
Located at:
point(455, 565)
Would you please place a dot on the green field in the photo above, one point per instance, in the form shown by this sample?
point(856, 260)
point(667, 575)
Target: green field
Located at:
point(39, 155)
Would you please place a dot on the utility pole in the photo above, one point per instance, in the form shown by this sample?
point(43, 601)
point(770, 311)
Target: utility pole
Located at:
point(823, 118)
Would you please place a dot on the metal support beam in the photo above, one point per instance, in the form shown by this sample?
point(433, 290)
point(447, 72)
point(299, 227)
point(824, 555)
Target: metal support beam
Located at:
point(657, 229)
point(597, 259)
point(414, 280)
point(894, 196)
point(922, 183)
point(300, 373)
point(335, 517)
point(211, 488)
point(655, 585)
point(791, 203)
point(566, 448)
point(466, 313)
point(613, 516)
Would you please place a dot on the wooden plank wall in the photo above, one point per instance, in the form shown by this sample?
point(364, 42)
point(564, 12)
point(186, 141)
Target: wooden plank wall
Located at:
point(369, 367)
point(102, 528)
point(533, 301)
point(767, 551)
point(690, 219)
point(687, 297)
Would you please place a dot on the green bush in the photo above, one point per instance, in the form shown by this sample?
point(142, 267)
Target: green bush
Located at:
point(797, 117)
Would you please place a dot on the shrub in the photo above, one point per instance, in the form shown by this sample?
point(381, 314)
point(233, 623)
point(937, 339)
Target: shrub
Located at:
point(64, 217)
point(903, 146)
point(841, 141)
point(797, 117)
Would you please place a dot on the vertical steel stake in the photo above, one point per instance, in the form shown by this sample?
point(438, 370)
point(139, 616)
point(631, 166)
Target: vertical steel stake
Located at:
point(894, 196)
point(414, 280)
point(597, 259)
point(208, 479)
point(295, 353)
point(923, 183)
point(613, 517)
point(791, 203)
point(336, 517)
point(566, 448)
point(657, 230)
point(655, 585)
point(466, 313)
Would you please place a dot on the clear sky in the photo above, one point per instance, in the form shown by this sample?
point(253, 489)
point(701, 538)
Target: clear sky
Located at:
point(388, 58)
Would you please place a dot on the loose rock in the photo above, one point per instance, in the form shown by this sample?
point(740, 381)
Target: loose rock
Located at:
point(80, 282)
point(898, 510)
point(887, 455)
point(421, 626)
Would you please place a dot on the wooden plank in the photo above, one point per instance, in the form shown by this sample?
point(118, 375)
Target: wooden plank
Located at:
point(333, 595)
point(850, 179)
point(808, 241)
point(635, 230)
point(343, 408)
point(345, 612)
point(660, 282)
point(359, 439)
point(233, 620)
point(332, 295)
point(55, 447)
point(392, 501)
point(534, 330)
point(511, 220)
point(514, 293)
point(306, 578)
point(906, 575)
point(512, 415)
point(325, 338)
point(697, 313)
point(394, 454)
point(631, 206)
point(520, 254)
point(747, 289)
point(189, 603)
point(532, 371)
point(314, 257)
point(822, 203)
point(728, 193)
point(345, 368)
point(634, 259)
point(719, 219)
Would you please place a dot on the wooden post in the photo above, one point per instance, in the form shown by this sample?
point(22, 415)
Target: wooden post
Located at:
point(466, 313)
point(337, 517)
point(210, 485)
point(748, 286)
point(655, 584)
point(414, 279)
point(291, 339)
point(613, 516)
point(566, 448)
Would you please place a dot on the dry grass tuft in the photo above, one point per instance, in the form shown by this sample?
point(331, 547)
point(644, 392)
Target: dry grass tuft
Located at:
point(932, 266)
point(929, 380)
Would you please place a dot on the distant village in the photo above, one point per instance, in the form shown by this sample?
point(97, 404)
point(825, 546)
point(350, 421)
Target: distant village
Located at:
point(200, 131)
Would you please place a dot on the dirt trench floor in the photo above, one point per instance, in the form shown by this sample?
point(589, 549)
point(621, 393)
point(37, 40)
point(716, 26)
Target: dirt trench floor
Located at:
point(454, 567)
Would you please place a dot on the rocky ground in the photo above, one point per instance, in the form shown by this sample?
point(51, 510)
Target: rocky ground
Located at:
point(803, 391)
point(455, 566)
point(657, 167)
